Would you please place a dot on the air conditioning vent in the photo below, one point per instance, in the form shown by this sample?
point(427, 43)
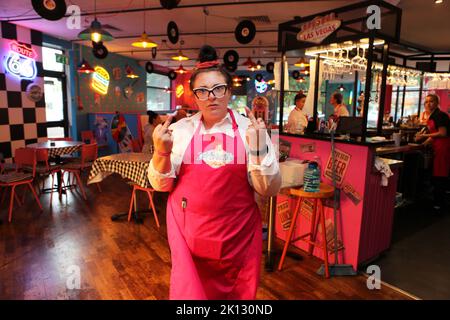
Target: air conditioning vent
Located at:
point(261, 20)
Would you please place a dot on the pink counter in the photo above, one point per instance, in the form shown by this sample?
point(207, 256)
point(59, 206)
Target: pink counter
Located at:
point(365, 227)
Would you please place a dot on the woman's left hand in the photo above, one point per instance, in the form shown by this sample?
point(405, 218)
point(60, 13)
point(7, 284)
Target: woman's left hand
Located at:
point(256, 133)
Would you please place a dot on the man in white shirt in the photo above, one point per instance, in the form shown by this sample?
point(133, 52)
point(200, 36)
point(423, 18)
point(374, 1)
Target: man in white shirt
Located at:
point(297, 120)
point(340, 110)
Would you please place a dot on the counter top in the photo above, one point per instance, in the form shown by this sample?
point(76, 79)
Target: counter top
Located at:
point(393, 149)
point(370, 142)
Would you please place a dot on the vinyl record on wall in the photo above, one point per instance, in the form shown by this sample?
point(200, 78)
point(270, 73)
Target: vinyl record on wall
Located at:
point(172, 32)
point(169, 4)
point(99, 50)
point(296, 74)
point(269, 67)
point(149, 67)
point(231, 57)
point(50, 9)
point(172, 75)
point(245, 31)
point(231, 67)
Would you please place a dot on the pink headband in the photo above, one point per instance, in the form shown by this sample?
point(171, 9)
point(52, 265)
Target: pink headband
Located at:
point(207, 64)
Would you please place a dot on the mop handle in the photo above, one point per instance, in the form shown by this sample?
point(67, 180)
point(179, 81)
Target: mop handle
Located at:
point(333, 170)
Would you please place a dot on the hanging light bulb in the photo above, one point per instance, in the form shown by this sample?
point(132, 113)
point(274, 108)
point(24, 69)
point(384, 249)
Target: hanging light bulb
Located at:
point(302, 63)
point(250, 64)
point(95, 33)
point(144, 41)
point(130, 72)
point(181, 70)
point(259, 65)
point(341, 88)
point(180, 57)
point(85, 67)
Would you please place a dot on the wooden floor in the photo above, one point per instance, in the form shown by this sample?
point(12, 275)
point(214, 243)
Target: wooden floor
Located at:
point(120, 260)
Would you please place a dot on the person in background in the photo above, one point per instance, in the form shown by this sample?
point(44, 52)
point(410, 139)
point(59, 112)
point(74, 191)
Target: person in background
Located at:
point(360, 107)
point(439, 129)
point(212, 164)
point(153, 120)
point(340, 110)
point(297, 120)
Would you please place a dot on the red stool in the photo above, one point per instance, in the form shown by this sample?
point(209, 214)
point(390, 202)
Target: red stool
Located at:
point(325, 192)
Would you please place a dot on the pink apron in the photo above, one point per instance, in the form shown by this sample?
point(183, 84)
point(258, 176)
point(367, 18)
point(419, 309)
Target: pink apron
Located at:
point(214, 225)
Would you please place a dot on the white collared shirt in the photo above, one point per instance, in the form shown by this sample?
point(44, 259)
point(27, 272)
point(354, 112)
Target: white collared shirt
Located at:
point(265, 177)
point(297, 120)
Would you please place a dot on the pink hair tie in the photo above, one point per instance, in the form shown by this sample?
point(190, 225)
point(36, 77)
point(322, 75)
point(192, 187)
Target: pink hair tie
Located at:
point(207, 64)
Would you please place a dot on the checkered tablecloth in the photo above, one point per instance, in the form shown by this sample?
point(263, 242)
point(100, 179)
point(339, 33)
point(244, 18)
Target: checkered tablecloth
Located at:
point(132, 166)
point(53, 152)
point(57, 148)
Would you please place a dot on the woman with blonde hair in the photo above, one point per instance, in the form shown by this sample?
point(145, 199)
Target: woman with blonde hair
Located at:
point(438, 136)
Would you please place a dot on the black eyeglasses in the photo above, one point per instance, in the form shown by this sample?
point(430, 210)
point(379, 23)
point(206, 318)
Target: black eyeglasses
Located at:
point(218, 91)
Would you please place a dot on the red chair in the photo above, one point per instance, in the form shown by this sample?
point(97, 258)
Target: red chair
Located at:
point(149, 192)
point(88, 156)
point(136, 145)
point(87, 135)
point(24, 157)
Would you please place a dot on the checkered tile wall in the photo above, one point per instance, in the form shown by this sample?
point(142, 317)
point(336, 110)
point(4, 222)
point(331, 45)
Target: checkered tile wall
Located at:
point(22, 121)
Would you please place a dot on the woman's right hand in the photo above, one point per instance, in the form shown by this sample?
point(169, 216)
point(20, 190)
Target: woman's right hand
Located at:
point(162, 137)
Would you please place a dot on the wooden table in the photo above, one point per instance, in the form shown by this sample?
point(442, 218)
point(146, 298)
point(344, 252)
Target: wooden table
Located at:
point(131, 166)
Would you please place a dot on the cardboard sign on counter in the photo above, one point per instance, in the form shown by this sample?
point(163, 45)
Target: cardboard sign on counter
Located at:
point(351, 193)
point(342, 160)
point(284, 213)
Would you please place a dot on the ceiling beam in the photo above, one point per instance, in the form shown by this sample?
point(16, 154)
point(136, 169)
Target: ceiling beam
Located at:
point(187, 6)
point(196, 48)
point(182, 34)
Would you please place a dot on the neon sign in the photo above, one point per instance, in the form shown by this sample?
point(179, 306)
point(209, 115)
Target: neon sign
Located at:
point(261, 86)
point(20, 61)
point(100, 80)
point(180, 90)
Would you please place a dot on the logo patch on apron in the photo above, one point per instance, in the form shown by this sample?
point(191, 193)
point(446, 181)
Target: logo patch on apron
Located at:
point(216, 157)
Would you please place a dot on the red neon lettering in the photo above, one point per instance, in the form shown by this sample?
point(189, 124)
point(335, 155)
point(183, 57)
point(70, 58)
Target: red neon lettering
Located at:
point(22, 50)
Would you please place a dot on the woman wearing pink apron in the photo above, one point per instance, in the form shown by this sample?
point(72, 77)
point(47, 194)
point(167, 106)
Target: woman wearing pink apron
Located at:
point(438, 127)
point(213, 222)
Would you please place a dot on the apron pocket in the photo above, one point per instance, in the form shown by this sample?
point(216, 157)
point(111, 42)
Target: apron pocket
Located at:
point(206, 248)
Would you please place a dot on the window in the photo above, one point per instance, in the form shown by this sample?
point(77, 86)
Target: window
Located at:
point(55, 90)
point(49, 59)
point(158, 94)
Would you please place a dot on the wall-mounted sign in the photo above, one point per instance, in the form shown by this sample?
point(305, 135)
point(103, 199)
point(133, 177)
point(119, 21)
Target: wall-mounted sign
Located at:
point(179, 91)
point(117, 73)
point(261, 86)
point(60, 58)
point(140, 97)
point(100, 80)
point(318, 29)
point(34, 92)
point(20, 61)
point(351, 193)
point(342, 161)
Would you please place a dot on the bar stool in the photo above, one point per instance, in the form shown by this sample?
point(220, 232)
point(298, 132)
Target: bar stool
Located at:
point(325, 192)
